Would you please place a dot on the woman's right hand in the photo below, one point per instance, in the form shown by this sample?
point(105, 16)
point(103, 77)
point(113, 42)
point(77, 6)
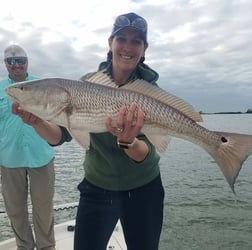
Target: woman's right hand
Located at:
point(26, 116)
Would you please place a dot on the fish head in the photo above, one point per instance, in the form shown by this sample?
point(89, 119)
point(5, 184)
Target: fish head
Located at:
point(45, 98)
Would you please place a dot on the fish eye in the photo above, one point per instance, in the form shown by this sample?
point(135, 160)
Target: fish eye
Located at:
point(224, 139)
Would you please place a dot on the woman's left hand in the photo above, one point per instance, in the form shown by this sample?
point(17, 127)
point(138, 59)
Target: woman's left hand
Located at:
point(128, 124)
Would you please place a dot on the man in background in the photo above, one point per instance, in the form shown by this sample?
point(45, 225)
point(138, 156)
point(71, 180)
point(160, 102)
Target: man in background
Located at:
point(26, 163)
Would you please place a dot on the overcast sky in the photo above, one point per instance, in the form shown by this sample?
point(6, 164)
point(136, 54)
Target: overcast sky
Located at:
point(202, 49)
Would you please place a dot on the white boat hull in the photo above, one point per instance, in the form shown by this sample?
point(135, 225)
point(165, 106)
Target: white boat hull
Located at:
point(64, 238)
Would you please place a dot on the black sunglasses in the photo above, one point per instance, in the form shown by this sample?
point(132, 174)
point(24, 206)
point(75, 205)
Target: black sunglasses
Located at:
point(19, 61)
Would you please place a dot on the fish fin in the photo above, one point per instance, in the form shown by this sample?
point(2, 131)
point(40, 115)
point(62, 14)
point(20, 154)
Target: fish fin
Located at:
point(231, 154)
point(77, 132)
point(102, 78)
point(143, 87)
point(160, 142)
point(83, 139)
point(175, 102)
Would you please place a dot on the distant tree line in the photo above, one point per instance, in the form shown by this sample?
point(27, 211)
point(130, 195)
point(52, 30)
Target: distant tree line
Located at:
point(249, 111)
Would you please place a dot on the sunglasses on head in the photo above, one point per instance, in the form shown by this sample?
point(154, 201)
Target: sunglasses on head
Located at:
point(139, 23)
point(19, 61)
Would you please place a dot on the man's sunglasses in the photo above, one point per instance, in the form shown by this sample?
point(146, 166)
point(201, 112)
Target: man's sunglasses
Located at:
point(19, 61)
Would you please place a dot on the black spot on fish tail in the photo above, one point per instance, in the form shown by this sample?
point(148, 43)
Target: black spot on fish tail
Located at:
point(224, 139)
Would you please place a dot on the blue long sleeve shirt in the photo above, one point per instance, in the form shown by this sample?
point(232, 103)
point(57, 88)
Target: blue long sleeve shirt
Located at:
point(20, 145)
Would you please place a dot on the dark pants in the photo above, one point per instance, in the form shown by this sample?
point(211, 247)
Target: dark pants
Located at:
point(140, 211)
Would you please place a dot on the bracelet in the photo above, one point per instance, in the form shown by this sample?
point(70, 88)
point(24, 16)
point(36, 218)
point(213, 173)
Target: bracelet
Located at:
point(126, 145)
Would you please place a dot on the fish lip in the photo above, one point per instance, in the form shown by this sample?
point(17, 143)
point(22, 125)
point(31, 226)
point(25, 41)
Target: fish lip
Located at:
point(13, 98)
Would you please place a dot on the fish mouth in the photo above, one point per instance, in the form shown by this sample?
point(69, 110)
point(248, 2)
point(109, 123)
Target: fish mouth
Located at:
point(11, 96)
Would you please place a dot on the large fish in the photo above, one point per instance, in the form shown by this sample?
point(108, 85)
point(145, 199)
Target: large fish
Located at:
point(83, 107)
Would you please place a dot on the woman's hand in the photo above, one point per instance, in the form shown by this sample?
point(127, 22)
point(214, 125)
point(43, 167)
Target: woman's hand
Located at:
point(49, 131)
point(128, 126)
point(26, 116)
point(128, 123)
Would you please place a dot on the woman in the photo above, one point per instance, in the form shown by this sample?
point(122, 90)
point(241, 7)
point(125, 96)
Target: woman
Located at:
point(122, 176)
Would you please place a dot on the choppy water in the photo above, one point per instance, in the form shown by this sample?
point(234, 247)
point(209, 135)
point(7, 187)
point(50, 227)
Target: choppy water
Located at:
point(201, 212)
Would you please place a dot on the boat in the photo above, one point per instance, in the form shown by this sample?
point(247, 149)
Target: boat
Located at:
point(64, 234)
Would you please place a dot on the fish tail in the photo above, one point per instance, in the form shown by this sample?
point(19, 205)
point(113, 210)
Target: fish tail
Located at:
point(233, 151)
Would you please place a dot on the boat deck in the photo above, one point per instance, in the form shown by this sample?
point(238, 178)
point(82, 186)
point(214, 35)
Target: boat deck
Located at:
point(64, 238)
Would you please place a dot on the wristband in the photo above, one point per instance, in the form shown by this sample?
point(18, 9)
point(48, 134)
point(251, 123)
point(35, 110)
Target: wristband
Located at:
point(126, 145)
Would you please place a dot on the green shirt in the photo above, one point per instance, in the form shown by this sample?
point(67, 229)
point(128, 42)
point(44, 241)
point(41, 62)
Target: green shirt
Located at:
point(108, 166)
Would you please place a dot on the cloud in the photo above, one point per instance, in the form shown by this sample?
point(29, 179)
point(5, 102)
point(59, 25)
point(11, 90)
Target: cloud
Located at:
point(201, 49)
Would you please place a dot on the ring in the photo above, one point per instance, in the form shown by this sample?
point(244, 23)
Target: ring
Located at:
point(119, 130)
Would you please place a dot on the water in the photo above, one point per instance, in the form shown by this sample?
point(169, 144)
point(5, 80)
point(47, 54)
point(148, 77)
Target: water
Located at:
point(201, 212)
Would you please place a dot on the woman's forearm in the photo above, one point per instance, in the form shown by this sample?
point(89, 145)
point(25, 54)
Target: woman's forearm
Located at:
point(138, 151)
point(48, 131)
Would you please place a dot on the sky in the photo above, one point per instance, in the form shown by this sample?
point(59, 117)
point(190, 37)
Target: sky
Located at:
point(202, 49)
